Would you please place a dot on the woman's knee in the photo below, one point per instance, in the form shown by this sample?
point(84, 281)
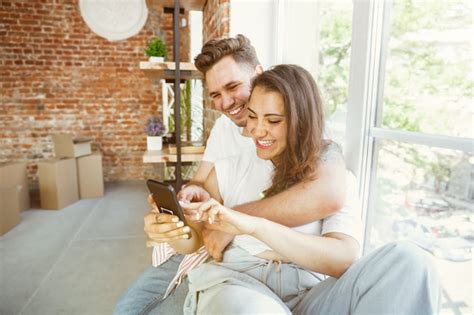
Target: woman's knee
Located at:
point(232, 299)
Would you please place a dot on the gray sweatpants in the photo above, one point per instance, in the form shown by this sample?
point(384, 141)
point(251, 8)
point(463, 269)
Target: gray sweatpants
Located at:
point(398, 278)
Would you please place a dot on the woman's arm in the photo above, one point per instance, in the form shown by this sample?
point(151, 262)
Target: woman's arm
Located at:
point(330, 254)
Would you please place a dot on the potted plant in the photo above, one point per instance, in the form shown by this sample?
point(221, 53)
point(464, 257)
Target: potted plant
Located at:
point(156, 50)
point(155, 129)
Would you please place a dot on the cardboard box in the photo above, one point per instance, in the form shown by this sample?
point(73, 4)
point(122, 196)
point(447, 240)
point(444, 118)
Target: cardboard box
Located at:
point(9, 207)
point(14, 174)
point(91, 179)
point(66, 146)
point(58, 183)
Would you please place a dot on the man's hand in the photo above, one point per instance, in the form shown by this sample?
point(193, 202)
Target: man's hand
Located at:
point(216, 242)
point(193, 193)
point(162, 227)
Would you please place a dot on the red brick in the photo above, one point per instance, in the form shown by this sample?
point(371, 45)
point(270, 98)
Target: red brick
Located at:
point(66, 78)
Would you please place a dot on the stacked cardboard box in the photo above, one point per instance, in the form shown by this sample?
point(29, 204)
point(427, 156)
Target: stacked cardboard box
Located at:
point(14, 194)
point(58, 183)
point(75, 173)
point(66, 146)
point(91, 180)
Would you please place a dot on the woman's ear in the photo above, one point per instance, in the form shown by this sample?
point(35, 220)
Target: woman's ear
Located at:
point(259, 69)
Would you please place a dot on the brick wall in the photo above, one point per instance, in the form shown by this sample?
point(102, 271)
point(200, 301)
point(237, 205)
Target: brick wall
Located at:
point(59, 76)
point(216, 19)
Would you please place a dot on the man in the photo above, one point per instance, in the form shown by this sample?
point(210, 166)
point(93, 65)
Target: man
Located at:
point(228, 66)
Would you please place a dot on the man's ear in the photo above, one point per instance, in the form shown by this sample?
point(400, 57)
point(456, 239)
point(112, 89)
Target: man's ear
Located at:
point(259, 69)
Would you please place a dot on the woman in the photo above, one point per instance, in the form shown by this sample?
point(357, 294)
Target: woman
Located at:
point(286, 123)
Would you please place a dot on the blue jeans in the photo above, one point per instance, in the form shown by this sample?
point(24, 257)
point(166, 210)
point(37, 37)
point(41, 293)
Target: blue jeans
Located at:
point(145, 295)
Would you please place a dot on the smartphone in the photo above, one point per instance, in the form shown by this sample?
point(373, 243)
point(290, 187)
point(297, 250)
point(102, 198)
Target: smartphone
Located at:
point(165, 198)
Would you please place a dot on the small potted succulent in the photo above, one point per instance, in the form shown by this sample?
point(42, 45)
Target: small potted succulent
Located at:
point(156, 50)
point(155, 130)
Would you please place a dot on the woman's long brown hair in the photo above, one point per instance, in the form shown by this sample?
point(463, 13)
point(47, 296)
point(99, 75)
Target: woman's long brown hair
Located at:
point(305, 121)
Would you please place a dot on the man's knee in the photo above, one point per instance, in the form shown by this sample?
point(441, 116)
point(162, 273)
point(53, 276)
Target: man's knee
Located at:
point(407, 265)
point(412, 257)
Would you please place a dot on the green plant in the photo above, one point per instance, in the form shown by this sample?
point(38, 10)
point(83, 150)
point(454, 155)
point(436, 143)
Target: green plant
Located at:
point(156, 48)
point(190, 127)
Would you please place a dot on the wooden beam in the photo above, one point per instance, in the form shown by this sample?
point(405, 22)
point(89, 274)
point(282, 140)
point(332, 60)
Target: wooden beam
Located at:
point(191, 5)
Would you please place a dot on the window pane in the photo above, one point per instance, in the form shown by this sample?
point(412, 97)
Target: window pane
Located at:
point(429, 71)
point(426, 195)
point(334, 62)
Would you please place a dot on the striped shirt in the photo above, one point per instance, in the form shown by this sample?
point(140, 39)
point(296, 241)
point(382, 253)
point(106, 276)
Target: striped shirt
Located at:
point(163, 251)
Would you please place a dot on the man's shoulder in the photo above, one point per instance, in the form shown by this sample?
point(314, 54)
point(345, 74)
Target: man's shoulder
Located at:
point(225, 122)
point(226, 129)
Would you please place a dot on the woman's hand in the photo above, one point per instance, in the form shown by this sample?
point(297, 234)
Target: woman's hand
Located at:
point(193, 193)
point(163, 228)
point(221, 218)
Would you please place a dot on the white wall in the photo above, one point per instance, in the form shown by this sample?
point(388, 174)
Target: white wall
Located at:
point(300, 27)
point(282, 31)
point(256, 20)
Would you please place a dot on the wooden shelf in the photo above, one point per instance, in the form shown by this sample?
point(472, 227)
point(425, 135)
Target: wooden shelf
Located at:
point(164, 156)
point(194, 5)
point(166, 70)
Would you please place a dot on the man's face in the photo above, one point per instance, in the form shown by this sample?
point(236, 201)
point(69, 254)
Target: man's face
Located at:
point(229, 87)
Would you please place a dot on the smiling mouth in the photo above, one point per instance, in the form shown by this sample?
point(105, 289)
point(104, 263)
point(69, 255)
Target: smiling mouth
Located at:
point(265, 143)
point(236, 111)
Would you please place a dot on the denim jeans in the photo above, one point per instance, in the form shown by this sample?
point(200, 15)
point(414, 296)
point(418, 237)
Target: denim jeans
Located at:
point(145, 295)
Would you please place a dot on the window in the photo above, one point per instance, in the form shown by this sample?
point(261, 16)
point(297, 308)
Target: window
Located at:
point(323, 48)
point(428, 75)
point(334, 61)
point(410, 132)
point(421, 194)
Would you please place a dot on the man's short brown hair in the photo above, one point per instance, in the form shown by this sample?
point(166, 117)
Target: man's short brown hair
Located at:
point(238, 48)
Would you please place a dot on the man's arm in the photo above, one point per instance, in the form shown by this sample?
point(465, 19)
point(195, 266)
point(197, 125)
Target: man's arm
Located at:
point(306, 202)
point(203, 171)
point(193, 191)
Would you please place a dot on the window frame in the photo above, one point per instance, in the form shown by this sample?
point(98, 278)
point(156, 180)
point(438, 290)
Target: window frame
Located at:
point(370, 35)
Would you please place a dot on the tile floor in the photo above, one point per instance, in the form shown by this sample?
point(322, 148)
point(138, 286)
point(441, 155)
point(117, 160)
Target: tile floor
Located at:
point(77, 260)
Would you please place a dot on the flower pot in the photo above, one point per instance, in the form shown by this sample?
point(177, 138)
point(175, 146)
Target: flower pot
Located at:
point(154, 143)
point(156, 59)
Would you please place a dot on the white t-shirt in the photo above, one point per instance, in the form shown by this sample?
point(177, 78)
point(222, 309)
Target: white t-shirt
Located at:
point(244, 177)
point(226, 140)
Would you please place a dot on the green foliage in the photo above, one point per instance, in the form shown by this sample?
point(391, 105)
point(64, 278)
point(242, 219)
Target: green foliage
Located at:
point(187, 111)
point(334, 56)
point(427, 73)
point(402, 115)
point(156, 48)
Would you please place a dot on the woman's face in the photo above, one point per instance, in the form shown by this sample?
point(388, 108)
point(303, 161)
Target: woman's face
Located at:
point(267, 123)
